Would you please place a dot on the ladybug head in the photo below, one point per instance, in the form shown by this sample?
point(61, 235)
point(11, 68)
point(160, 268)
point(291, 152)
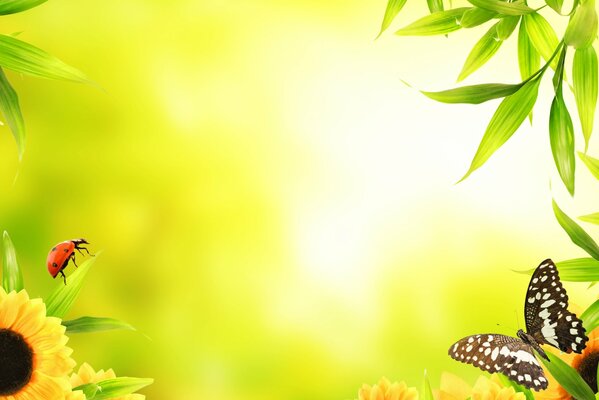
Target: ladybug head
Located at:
point(79, 241)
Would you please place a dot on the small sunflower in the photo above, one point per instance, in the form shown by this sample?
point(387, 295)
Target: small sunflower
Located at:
point(86, 374)
point(34, 361)
point(386, 390)
point(454, 388)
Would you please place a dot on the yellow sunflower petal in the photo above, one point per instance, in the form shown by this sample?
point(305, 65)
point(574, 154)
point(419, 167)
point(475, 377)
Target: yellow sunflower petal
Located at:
point(452, 387)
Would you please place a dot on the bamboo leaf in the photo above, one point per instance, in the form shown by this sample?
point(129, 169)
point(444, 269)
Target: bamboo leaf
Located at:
point(592, 218)
point(434, 24)
point(584, 73)
point(393, 8)
point(502, 7)
point(95, 324)
point(476, 16)
point(435, 5)
point(12, 277)
point(577, 234)
point(482, 52)
point(591, 163)
point(9, 105)
point(578, 270)
point(474, 94)
point(590, 317)
point(115, 387)
point(561, 135)
point(542, 36)
point(507, 119)
point(62, 299)
point(556, 5)
point(568, 378)
point(15, 6)
point(506, 26)
point(23, 57)
point(582, 28)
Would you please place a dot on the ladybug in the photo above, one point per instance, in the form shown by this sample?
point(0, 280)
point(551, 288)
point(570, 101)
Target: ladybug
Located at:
point(59, 256)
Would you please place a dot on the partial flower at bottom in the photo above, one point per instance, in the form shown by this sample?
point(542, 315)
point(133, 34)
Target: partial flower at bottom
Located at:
point(34, 361)
point(386, 390)
point(454, 388)
point(86, 374)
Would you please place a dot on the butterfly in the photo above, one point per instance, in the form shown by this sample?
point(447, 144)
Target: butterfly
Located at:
point(548, 321)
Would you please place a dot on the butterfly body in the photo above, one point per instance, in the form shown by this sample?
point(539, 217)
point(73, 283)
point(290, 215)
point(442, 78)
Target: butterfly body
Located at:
point(548, 321)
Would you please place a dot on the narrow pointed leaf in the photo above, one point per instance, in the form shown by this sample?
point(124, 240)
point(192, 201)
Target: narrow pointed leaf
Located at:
point(582, 28)
point(426, 388)
point(435, 24)
point(558, 77)
point(556, 5)
point(62, 299)
point(88, 389)
point(507, 119)
point(482, 52)
point(561, 135)
point(474, 94)
point(578, 270)
point(542, 36)
point(12, 277)
point(15, 6)
point(393, 8)
point(95, 324)
point(506, 26)
point(584, 75)
point(568, 378)
point(590, 317)
point(9, 105)
point(116, 387)
point(591, 163)
point(577, 234)
point(502, 7)
point(435, 5)
point(23, 57)
point(592, 218)
point(476, 16)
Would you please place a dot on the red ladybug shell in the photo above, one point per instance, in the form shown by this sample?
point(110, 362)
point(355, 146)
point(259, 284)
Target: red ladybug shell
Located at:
point(58, 257)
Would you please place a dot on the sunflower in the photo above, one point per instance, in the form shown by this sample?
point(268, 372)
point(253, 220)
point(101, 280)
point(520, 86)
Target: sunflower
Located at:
point(86, 374)
point(586, 365)
point(386, 390)
point(34, 361)
point(454, 388)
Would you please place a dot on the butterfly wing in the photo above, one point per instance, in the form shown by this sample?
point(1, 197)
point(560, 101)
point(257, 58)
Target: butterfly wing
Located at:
point(546, 312)
point(502, 354)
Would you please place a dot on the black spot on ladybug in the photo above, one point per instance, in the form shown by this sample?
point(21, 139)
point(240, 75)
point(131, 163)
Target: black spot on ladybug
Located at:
point(53, 248)
point(54, 265)
point(66, 250)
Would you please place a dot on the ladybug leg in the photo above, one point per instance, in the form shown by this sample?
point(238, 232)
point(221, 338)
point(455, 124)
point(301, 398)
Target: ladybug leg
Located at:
point(84, 248)
point(63, 277)
point(73, 258)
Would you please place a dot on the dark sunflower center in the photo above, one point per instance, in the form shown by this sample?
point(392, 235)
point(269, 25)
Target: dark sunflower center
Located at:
point(16, 362)
point(588, 369)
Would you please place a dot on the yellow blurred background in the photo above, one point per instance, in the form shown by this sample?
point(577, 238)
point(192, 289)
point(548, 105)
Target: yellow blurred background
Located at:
point(277, 209)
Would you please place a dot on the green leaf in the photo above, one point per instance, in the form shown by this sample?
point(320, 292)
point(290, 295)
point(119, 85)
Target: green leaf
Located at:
point(393, 8)
point(12, 277)
point(591, 163)
point(482, 52)
point(9, 105)
point(542, 36)
point(95, 324)
point(15, 6)
point(474, 94)
point(584, 72)
point(558, 77)
point(434, 24)
point(576, 233)
point(507, 119)
point(23, 57)
point(88, 389)
point(62, 299)
point(502, 7)
point(426, 388)
point(592, 218)
point(590, 317)
point(506, 26)
point(476, 16)
point(435, 5)
point(582, 28)
point(561, 135)
point(568, 378)
point(556, 5)
point(578, 270)
point(115, 387)
point(507, 382)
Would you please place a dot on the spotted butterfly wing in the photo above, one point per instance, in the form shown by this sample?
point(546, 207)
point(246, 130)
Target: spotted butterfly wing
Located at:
point(546, 312)
point(501, 354)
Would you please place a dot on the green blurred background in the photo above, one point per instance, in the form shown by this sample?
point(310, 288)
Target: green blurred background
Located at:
point(277, 209)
